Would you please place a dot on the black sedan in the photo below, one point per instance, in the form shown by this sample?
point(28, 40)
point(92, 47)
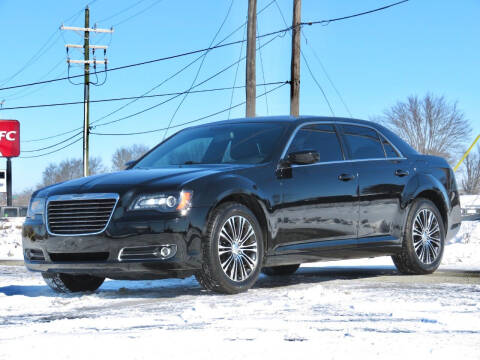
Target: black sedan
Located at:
point(225, 201)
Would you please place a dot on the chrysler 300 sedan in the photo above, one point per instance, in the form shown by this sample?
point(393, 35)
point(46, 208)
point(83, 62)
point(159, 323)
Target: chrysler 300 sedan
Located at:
point(227, 200)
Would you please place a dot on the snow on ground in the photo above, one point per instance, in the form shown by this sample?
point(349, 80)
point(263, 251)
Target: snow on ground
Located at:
point(321, 312)
point(11, 238)
point(333, 310)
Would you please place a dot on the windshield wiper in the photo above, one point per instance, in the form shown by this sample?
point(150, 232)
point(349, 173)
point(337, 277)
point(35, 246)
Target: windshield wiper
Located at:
point(190, 162)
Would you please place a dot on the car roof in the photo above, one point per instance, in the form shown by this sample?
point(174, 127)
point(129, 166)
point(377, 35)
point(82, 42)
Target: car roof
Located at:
point(288, 119)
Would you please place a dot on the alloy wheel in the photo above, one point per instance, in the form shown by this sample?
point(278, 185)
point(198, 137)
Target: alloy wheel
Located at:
point(237, 248)
point(426, 236)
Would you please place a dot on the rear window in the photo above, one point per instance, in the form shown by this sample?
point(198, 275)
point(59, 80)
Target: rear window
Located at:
point(363, 142)
point(390, 151)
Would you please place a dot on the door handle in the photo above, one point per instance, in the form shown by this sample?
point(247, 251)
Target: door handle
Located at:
point(401, 173)
point(346, 177)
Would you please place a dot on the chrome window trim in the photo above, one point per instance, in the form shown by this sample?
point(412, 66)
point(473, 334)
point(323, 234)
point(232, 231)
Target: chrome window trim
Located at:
point(349, 161)
point(297, 129)
point(87, 196)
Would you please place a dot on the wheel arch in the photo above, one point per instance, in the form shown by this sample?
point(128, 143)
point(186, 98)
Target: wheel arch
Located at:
point(430, 188)
point(252, 202)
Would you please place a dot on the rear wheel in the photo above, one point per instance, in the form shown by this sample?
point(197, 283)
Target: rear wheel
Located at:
point(65, 283)
point(423, 241)
point(283, 270)
point(232, 251)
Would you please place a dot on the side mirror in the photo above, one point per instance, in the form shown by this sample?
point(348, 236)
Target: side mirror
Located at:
point(305, 157)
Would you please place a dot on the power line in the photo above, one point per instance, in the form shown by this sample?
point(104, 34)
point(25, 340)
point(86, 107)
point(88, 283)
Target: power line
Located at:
point(318, 84)
point(155, 87)
point(191, 121)
point(163, 102)
point(327, 22)
point(328, 76)
point(120, 12)
point(52, 146)
point(199, 68)
point(198, 91)
point(54, 151)
point(236, 70)
point(170, 57)
point(43, 49)
point(27, 92)
point(324, 22)
point(134, 97)
point(263, 70)
point(138, 13)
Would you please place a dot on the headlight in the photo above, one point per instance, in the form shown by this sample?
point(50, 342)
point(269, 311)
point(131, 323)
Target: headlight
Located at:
point(36, 207)
point(164, 202)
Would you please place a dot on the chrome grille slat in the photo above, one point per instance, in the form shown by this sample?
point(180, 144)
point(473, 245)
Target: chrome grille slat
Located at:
point(84, 214)
point(79, 213)
point(75, 221)
point(69, 226)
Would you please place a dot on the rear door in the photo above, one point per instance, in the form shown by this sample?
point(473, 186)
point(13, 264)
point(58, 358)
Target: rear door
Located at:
point(382, 176)
point(319, 200)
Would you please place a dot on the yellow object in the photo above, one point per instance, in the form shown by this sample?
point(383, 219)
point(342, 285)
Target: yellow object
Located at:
point(466, 154)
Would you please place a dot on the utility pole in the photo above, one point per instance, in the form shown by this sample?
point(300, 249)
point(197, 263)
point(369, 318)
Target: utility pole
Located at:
point(295, 64)
point(86, 76)
point(86, 92)
point(251, 81)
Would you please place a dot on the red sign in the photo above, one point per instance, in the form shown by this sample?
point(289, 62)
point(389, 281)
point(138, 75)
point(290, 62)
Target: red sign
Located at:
point(9, 138)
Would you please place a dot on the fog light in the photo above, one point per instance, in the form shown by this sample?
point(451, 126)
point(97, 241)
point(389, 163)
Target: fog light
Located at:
point(165, 251)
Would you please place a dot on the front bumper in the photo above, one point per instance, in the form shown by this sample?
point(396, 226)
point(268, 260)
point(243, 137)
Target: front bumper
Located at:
point(99, 254)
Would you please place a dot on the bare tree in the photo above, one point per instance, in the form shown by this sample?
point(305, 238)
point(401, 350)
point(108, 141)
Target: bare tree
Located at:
point(431, 125)
point(126, 154)
point(471, 174)
point(22, 198)
point(69, 169)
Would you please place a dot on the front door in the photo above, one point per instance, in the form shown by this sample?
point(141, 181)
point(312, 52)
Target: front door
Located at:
point(319, 201)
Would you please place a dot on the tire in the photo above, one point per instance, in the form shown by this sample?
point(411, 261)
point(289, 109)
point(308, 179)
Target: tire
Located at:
point(411, 260)
point(283, 270)
point(65, 283)
point(219, 248)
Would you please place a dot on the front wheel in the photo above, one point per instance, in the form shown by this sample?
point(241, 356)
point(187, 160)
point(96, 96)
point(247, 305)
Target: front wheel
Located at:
point(423, 240)
point(65, 283)
point(232, 250)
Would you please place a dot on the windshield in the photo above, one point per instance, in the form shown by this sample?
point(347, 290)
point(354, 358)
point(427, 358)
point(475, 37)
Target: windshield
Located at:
point(248, 143)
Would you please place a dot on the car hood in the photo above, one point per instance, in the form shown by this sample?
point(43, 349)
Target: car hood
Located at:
point(136, 179)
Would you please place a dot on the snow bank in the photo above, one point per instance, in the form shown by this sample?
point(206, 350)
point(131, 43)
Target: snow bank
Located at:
point(11, 238)
point(469, 200)
point(464, 249)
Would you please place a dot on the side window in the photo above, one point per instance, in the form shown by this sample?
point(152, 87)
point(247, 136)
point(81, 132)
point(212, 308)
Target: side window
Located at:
point(363, 142)
point(322, 138)
point(389, 149)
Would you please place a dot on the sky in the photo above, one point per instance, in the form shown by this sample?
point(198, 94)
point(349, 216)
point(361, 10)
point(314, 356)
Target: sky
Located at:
point(369, 63)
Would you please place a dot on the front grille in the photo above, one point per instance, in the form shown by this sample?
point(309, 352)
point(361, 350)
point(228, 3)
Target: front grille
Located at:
point(79, 257)
point(79, 216)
